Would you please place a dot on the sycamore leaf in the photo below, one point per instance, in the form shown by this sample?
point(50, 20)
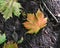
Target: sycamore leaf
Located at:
point(7, 7)
point(2, 38)
point(16, 9)
point(3, 4)
point(35, 23)
point(7, 13)
point(10, 44)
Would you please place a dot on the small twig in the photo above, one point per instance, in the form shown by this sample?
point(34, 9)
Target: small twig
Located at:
point(41, 8)
point(50, 12)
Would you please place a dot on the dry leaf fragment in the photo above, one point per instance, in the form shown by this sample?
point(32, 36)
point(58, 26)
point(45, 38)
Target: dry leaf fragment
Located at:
point(35, 23)
point(10, 44)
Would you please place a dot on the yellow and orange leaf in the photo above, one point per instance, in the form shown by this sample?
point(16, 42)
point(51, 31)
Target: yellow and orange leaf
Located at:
point(35, 23)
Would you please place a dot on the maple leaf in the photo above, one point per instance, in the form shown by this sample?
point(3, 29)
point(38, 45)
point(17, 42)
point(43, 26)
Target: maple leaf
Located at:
point(35, 23)
point(10, 44)
point(9, 7)
point(2, 38)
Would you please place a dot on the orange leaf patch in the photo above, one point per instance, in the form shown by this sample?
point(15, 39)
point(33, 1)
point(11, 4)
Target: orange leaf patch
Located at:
point(35, 23)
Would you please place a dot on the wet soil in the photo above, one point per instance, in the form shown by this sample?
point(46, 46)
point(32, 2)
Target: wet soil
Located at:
point(47, 37)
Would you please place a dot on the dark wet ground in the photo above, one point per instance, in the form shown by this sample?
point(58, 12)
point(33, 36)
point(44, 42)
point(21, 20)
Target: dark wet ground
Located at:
point(48, 37)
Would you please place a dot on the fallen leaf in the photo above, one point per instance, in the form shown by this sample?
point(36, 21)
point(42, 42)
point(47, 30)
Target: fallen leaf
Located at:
point(10, 44)
point(35, 23)
point(2, 38)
